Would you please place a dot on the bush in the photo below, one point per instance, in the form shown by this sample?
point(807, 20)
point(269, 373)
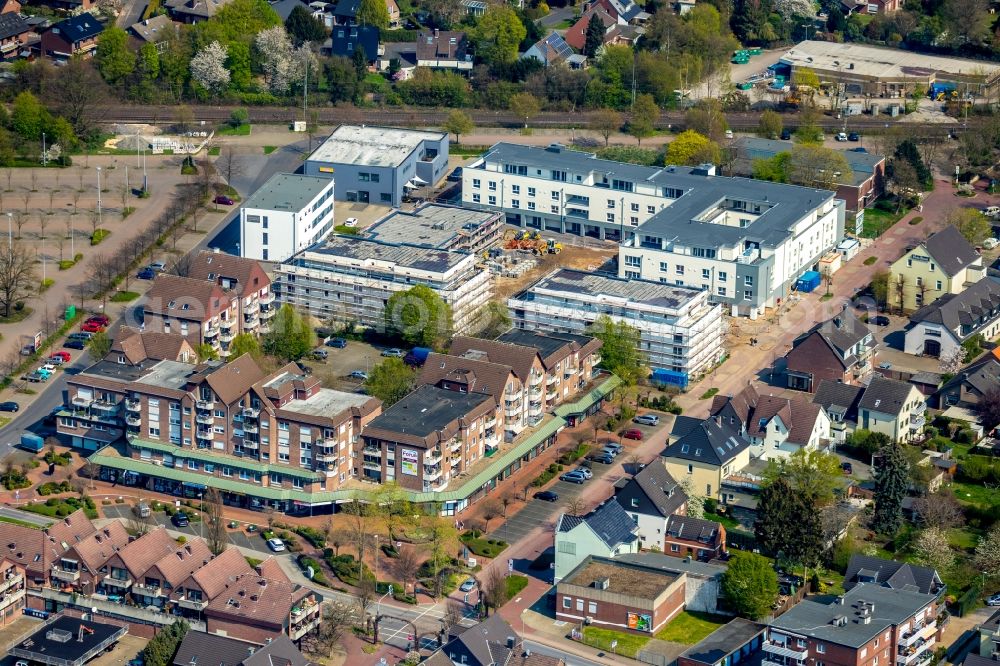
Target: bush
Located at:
point(318, 576)
point(53, 488)
point(98, 236)
point(61, 459)
point(160, 650)
point(870, 260)
point(314, 536)
point(482, 547)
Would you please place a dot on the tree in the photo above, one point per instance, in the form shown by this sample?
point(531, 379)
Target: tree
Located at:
point(750, 585)
point(17, 276)
point(229, 164)
point(525, 106)
point(303, 27)
point(206, 352)
point(290, 337)
point(892, 477)
point(215, 520)
point(208, 68)
point(814, 474)
point(390, 380)
point(907, 151)
point(458, 123)
point(419, 316)
point(493, 319)
point(115, 59)
point(988, 407)
point(494, 588)
point(244, 343)
point(819, 167)
point(951, 361)
point(490, 510)
point(99, 345)
point(137, 523)
point(406, 565)
point(988, 552)
point(160, 650)
point(939, 509)
point(594, 36)
point(373, 12)
point(880, 287)
point(904, 180)
point(645, 113)
point(75, 90)
point(975, 226)
point(774, 169)
point(933, 550)
point(691, 148)
point(706, 118)
point(770, 125)
point(606, 122)
point(788, 522)
point(620, 350)
point(695, 501)
point(360, 61)
point(498, 34)
point(28, 117)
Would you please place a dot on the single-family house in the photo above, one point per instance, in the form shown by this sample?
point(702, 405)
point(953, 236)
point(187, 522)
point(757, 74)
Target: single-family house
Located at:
point(346, 39)
point(551, 50)
point(696, 538)
point(651, 497)
point(606, 531)
point(892, 574)
point(444, 49)
point(971, 383)
point(193, 11)
point(840, 349)
point(943, 264)
point(840, 402)
point(941, 327)
point(14, 34)
point(892, 407)
point(776, 427)
point(492, 642)
point(75, 36)
point(155, 30)
point(706, 452)
point(576, 36)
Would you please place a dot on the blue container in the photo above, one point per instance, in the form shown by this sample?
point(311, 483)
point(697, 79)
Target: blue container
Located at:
point(809, 281)
point(31, 442)
point(663, 377)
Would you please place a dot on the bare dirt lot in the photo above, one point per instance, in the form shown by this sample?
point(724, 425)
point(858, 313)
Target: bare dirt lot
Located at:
point(584, 258)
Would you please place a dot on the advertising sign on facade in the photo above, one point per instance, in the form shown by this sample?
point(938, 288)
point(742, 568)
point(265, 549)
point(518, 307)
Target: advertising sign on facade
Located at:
point(640, 622)
point(408, 464)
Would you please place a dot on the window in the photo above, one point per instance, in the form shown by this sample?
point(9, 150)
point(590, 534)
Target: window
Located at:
point(515, 189)
point(821, 648)
point(679, 269)
point(663, 267)
point(476, 198)
point(611, 203)
point(515, 203)
point(748, 280)
point(920, 281)
point(634, 220)
point(579, 605)
point(492, 200)
point(567, 602)
point(722, 275)
point(631, 260)
point(721, 291)
point(633, 275)
point(475, 183)
point(706, 273)
point(531, 205)
point(937, 285)
point(747, 294)
point(674, 548)
point(650, 209)
point(690, 469)
point(611, 217)
point(567, 547)
point(635, 208)
point(492, 186)
point(554, 209)
point(531, 192)
point(555, 196)
point(592, 607)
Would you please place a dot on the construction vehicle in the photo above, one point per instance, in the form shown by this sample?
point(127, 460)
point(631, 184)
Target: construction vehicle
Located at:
point(553, 247)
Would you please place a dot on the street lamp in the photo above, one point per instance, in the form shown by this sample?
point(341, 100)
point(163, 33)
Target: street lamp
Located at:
point(98, 196)
point(10, 232)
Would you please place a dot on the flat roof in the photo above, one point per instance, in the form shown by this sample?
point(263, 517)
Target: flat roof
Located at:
point(675, 564)
point(862, 164)
point(623, 577)
point(602, 286)
point(164, 374)
point(882, 63)
point(369, 145)
point(326, 402)
point(359, 250)
point(67, 640)
point(426, 410)
point(431, 225)
point(288, 191)
point(725, 640)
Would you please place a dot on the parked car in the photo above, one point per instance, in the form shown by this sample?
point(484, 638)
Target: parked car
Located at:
point(146, 273)
point(27, 350)
point(394, 352)
point(103, 320)
point(585, 471)
point(158, 266)
point(841, 136)
point(608, 453)
point(277, 545)
point(49, 368)
point(994, 600)
point(573, 477)
point(992, 211)
point(603, 458)
point(338, 343)
point(859, 149)
point(846, 468)
point(633, 433)
point(991, 243)
point(91, 327)
point(54, 360)
point(36, 377)
point(359, 374)
point(647, 419)
point(786, 134)
point(613, 446)
point(180, 519)
point(65, 356)
point(468, 585)
point(9, 406)
point(880, 321)
point(885, 365)
point(351, 222)
point(224, 200)
point(546, 496)
point(854, 136)
point(455, 176)
point(320, 354)
point(74, 343)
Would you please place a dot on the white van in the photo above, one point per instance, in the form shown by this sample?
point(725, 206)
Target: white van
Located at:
point(992, 211)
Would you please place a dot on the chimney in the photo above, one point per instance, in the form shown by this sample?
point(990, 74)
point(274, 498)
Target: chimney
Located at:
point(437, 33)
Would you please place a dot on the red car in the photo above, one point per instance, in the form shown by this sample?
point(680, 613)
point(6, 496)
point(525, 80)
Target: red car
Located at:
point(64, 355)
point(91, 327)
point(100, 319)
point(632, 433)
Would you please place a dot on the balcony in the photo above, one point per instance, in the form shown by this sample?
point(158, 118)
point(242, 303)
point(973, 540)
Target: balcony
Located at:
point(535, 379)
point(252, 308)
point(205, 405)
point(373, 451)
point(915, 635)
point(433, 456)
point(206, 419)
point(512, 412)
point(432, 473)
point(326, 457)
point(250, 321)
point(9, 600)
point(266, 299)
point(785, 650)
point(535, 409)
point(266, 313)
point(368, 464)
point(120, 583)
point(11, 582)
point(263, 329)
point(227, 336)
point(78, 401)
point(456, 445)
point(511, 396)
point(65, 575)
point(191, 604)
point(914, 656)
point(535, 392)
point(211, 332)
point(551, 395)
point(133, 420)
point(251, 444)
point(577, 199)
point(765, 662)
point(147, 590)
point(297, 631)
point(492, 423)
point(204, 434)
point(551, 381)
point(103, 407)
point(917, 421)
point(133, 405)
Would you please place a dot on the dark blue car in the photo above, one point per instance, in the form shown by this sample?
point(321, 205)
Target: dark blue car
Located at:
point(74, 344)
point(147, 274)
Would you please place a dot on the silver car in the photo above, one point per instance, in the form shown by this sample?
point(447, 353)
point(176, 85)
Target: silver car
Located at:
point(647, 419)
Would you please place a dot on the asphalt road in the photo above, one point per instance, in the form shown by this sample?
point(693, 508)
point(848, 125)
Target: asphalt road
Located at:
point(26, 516)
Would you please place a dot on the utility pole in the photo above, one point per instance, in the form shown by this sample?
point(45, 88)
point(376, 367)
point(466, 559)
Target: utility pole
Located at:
point(44, 159)
point(98, 196)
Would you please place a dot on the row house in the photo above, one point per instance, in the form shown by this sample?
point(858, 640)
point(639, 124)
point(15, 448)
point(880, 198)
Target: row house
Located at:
point(220, 297)
point(254, 608)
point(84, 565)
point(155, 586)
point(868, 626)
point(225, 420)
point(35, 551)
point(546, 369)
point(126, 569)
point(207, 582)
point(428, 438)
point(13, 588)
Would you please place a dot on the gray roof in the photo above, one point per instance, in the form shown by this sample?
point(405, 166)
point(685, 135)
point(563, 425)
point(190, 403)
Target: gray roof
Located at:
point(590, 285)
point(426, 410)
point(817, 620)
point(724, 641)
point(279, 651)
point(369, 145)
point(409, 256)
point(284, 8)
point(11, 25)
point(755, 148)
point(974, 307)
point(201, 649)
point(973, 659)
point(691, 567)
point(709, 442)
point(841, 332)
point(891, 574)
point(288, 192)
point(981, 375)
point(782, 205)
point(838, 398)
point(431, 225)
point(950, 250)
point(692, 529)
point(609, 522)
point(885, 395)
point(653, 490)
point(546, 343)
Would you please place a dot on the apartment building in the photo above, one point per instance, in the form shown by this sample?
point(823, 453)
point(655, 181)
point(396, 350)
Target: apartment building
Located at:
point(470, 375)
point(680, 330)
point(254, 608)
point(942, 326)
point(546, 370)
point(286, 214)
point(13, 589)
point(870, 625)
point(440, 227)
point(744, 241)
point(220, 297)
point(841, 349)
point(229, 425)
point(429, 437)
point(945, 263)
point(351, 279)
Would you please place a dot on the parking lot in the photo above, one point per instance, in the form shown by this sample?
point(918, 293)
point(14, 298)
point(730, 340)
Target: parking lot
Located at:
point(340, 363)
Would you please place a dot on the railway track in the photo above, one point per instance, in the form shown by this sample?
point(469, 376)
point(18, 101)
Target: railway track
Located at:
point(419, 117)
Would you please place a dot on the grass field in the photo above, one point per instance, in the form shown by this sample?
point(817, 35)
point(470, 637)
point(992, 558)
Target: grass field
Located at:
point(877, 221)
point(690, 627)
point(628, 644)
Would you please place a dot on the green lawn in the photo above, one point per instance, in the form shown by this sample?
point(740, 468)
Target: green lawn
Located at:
point(229, 130)
point(877, 221)
point(963, 539)
point(976, 494)
point(690, 627)
point(124, 296)
point(726, 521)
point(22, 523)
point(214, 151)
point(516, 583)
point(269, 149)
point(628, 644)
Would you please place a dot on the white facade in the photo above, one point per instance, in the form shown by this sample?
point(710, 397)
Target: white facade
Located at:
point(287, 214)
point(775, 445)
point(679, 329)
